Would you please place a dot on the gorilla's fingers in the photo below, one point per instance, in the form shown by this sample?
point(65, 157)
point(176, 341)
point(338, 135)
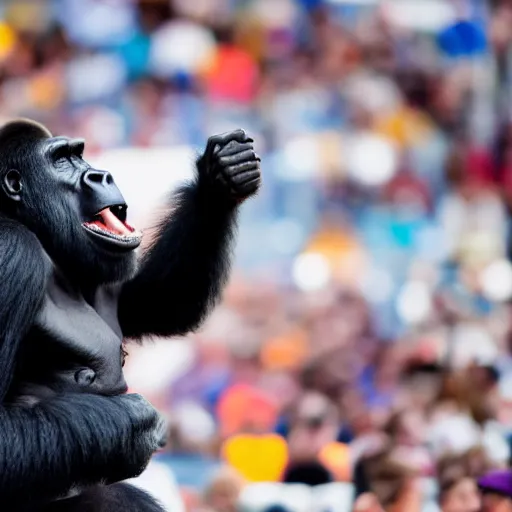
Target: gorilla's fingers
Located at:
point(234, 147)
point(250, 187)
point(223, 139)
point(242, 177)
point(238, 158)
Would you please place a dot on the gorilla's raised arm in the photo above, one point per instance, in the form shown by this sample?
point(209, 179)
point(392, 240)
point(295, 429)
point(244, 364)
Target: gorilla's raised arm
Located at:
point(183, 273)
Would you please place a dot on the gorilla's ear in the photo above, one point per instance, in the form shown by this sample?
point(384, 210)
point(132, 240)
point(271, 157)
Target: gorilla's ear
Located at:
point(12, 185)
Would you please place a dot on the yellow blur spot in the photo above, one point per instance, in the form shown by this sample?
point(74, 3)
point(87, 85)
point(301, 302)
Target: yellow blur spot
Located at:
point(7, 40)
point(257, 458)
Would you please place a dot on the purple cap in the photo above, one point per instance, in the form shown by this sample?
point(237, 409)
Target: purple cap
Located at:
point(499, 482)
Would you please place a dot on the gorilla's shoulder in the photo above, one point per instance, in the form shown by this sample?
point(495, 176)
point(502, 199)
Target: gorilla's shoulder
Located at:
point(19, 249)
point(13, 232)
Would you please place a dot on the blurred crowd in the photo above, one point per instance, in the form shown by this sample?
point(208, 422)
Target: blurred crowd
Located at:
point(363, 348)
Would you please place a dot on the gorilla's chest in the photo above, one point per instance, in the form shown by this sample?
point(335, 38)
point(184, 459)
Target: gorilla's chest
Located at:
point(75, 345)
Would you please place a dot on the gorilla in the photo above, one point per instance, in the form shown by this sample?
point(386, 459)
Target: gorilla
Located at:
point(73, 291)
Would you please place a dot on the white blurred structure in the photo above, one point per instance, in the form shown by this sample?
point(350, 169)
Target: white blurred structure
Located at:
point(337, 497)
point(146, 176)
point(158, 480)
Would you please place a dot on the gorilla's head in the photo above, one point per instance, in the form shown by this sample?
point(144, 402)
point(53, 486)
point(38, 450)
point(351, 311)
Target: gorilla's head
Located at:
point(77, 212)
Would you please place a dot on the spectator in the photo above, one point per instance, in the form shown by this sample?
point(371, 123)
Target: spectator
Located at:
point(457, 483)
point(496, 490)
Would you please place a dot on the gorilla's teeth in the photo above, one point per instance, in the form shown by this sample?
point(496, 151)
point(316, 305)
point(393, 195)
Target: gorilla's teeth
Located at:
point(121, 238)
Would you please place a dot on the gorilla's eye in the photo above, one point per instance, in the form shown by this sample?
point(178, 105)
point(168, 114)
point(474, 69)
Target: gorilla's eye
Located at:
point(67, 150)
point(61, 153)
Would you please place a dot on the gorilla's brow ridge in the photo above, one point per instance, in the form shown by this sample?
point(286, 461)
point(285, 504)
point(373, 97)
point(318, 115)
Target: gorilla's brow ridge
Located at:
point(60, 146)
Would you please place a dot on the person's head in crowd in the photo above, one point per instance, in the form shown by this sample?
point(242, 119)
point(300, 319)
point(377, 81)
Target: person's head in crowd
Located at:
point(458, 490)
point(319, 376)
point(223, 492)
point(496, 489)
point(420, 383)
point(392, 483)
point(463, 389)
point(406, 428)
point(367, 502)
point(484, 391)
point(407, 435)
point(478, 461)
point(314, 424)
point(486, 377)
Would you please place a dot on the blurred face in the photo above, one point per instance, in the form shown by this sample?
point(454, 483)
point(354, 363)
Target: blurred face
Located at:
point(496, 503)
point(223, 495)
point(367, 503)
point(463, 497)
point(316, 425)
point(412, 429)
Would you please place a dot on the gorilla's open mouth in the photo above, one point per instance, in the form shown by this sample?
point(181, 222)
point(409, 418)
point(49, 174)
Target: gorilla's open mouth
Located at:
point(110, 226)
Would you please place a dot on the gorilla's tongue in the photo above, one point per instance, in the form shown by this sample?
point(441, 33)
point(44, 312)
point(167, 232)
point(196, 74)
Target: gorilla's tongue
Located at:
point(113, 224)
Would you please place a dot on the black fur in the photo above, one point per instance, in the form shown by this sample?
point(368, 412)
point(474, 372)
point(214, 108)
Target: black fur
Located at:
point(67, 441)
point(23, 275)
point(188, 264)
point(51, 212)
point(60, 437)
point(115, 497)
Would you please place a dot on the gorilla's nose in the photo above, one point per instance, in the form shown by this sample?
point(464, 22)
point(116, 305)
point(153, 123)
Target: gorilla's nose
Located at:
point(93, 178)
point(99, 191)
